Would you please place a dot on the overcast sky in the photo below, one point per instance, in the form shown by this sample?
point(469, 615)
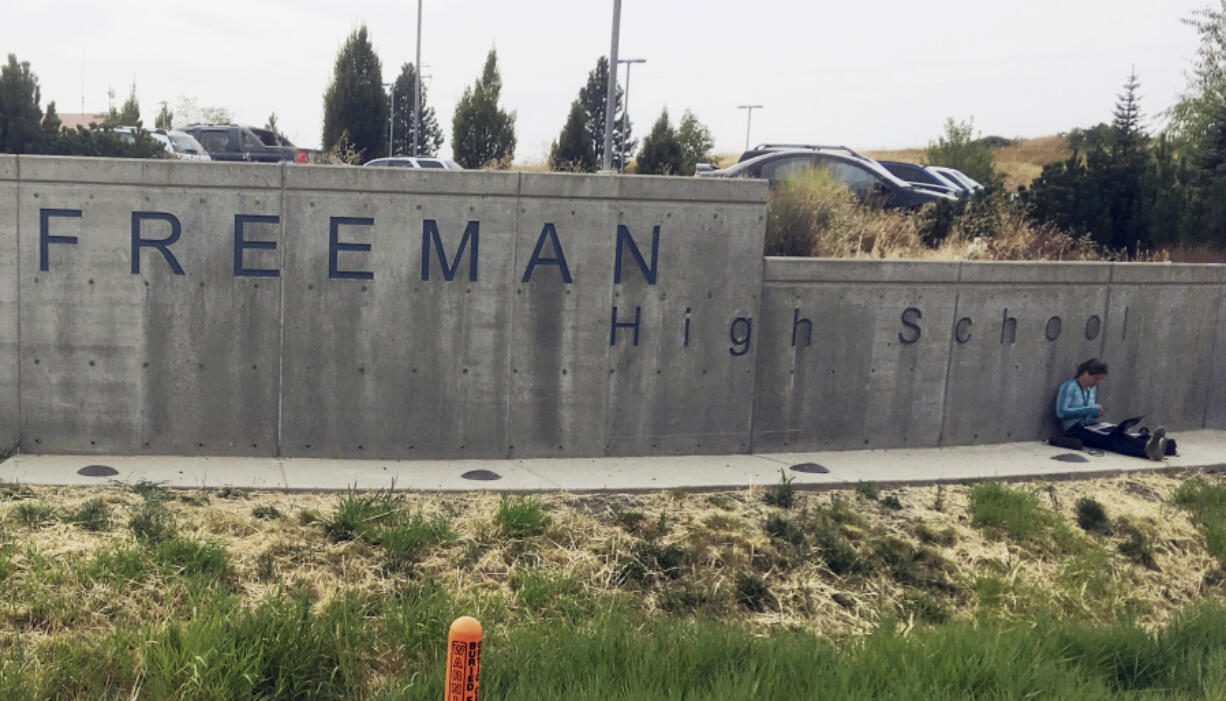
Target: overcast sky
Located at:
point(880, 74)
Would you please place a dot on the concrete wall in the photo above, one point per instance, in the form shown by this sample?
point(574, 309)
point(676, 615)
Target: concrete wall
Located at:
point(319, 330)
point(979, 354)
point(344, 348)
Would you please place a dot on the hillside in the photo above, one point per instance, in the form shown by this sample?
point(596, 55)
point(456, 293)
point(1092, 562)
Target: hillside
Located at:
point(1020, 162)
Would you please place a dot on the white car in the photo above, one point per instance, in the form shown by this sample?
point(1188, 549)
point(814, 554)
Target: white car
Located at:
point(181, 144)
point(415, 162)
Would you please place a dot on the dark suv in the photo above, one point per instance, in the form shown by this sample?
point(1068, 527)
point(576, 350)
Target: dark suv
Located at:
point(231, 142)
point(863, 176)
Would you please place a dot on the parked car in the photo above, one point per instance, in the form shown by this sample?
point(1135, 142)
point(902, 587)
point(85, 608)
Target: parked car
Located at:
point(971, 185)
point(921, 177)
point(232, 142)
point(181, 145)
point(301, 155)
point(415, 162)
point(864, 176)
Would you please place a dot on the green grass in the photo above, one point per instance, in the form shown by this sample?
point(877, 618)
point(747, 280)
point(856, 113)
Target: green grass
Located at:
point(359, 515)
point(999, 509)
point(186, 557)
point(93, 515)
point(33, 514)
point(521, 517)
point(1206, 504)
point(153, 522)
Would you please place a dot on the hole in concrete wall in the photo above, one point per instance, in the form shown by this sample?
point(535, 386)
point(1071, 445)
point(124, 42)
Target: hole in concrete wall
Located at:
point(97, 471)
point(810, 468)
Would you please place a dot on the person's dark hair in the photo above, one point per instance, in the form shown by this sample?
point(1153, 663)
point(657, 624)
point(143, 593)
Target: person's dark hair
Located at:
point(1093, 366)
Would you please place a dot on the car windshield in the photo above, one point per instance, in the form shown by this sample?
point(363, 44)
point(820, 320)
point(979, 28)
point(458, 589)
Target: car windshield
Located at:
point(184, 143)
point(912, 173)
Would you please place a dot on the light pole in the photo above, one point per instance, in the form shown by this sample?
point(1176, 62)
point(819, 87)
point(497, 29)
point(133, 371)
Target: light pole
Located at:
point(626, 107)
point(748, 120)
point(417, 91)
point(611, 100)
point(391, 117)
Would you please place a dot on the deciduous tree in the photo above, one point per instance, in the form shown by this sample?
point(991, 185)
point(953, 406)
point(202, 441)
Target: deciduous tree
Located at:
point(696, 143)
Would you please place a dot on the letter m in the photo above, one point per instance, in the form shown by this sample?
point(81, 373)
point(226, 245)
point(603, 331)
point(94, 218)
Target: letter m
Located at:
point(429, 234)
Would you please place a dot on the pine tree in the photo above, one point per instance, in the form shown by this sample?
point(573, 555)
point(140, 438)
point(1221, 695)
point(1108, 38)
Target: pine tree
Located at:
point(128, 115)
point(20, 115)
point(404, 118)
point(594, 96)
point(481, 132)
point(355, 103)
point(165, 118)
point(573, 151)
point(661, 152)
point(696, 143)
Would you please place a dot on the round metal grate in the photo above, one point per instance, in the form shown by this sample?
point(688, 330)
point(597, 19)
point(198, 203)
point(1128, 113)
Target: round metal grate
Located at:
point(481, 475)
point(1069, 457)
point(97, 471)
point(810, 467)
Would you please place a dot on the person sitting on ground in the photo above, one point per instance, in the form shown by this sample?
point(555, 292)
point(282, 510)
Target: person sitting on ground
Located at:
point(1078, 412)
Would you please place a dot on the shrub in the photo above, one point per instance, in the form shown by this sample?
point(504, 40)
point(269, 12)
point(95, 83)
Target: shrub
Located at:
point(1091, 516)
point(752, 593)
point(93, 515)
point(520, 517)
point(868, 490)
point(1137, 547)
point(782, 495)
point(891, 502)
point(33, 514)
point(835, 550)
point(783, 529)
point(266, 512)
point(649, 559)
point(152, 522)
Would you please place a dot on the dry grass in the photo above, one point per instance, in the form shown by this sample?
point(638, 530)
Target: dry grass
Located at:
point(591, 539)
point(1022, 162)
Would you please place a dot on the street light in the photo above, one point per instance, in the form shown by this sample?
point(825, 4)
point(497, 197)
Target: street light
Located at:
point(391, 117)
point(611, 100)
point(748, 120)
point(626, 107)
point(417, 92)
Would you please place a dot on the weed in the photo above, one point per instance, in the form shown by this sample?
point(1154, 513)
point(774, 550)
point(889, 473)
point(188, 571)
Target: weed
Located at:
point(308, 516)
point(723, 522)
point(117, 565)
point(1206, 504)
point(945, 537)
point(521, 517)
point(926, 609)
point(721, 501)
point(189, 557)
point(677, 494)
point(649, 559)
point(93, 515)
point(153, 492)
point(1138, 548)
point(840, 512)
point(266, 512)
point(782, 528)
point(357, 515)
point(938, 504)
point(1051, 494)
point(473, 551)
point(630, 521)
point(752, 593)
point(868, 490)
point(891, 502)
point(835, 550)
point(782, 495)
point(33, 514)
point(1091, 516)
point(404, 541)
point(197, 498)
point(265, 567)
point(540, 593)
point(17, 493)
point(232, 493)
point(997, 507)
point(152, 522)
point(687, 599)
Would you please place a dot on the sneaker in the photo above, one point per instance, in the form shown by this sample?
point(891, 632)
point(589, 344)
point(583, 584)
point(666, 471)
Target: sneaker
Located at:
point(1155, 447)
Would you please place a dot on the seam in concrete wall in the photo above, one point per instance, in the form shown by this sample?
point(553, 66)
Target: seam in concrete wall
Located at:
point(281, 320)
point(510, 344)
point(949, 358)
point(1217, 320)
point(1102, 346)
point(21, 417)
point(753, 405)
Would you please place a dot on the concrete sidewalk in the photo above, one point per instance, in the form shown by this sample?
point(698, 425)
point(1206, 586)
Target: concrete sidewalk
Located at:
point(1198, 450)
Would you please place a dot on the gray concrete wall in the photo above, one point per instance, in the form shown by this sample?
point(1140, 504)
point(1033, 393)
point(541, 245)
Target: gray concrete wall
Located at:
point(301, 346)
point(979, 357)
point(10, 361)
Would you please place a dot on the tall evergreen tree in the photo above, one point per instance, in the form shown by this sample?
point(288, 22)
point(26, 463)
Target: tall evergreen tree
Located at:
point(481, 132)
point(573, 152)
point(404, 118)
point(20, 115)
point(355, 103)
point(696, 143)
point(165, 118)
point(661, 152)
point(594, 96)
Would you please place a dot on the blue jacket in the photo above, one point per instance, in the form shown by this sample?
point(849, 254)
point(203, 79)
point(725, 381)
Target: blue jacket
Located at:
point(1075, 405)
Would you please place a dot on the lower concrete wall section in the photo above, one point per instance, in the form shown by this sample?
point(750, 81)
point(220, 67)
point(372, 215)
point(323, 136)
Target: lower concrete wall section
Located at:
point(236, 309)
point(926, 354)
point(10, 349)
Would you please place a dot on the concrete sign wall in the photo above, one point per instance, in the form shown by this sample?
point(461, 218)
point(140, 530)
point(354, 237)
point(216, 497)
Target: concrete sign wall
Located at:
point(232, 309)
point(874, 354)
point(312, 311)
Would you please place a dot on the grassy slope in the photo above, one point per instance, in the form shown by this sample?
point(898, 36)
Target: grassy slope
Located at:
point(1020, 163)
point(352, 594)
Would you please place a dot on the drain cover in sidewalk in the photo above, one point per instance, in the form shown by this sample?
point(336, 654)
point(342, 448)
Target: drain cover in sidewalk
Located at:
point(1069, 457)
point(97, 471)
point(810, 467)
point(482, 475)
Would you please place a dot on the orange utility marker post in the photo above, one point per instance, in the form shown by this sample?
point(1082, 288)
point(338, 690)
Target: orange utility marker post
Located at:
point(463, 659)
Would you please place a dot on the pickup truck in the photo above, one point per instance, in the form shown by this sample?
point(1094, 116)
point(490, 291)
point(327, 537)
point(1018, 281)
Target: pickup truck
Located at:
point(232, 142)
